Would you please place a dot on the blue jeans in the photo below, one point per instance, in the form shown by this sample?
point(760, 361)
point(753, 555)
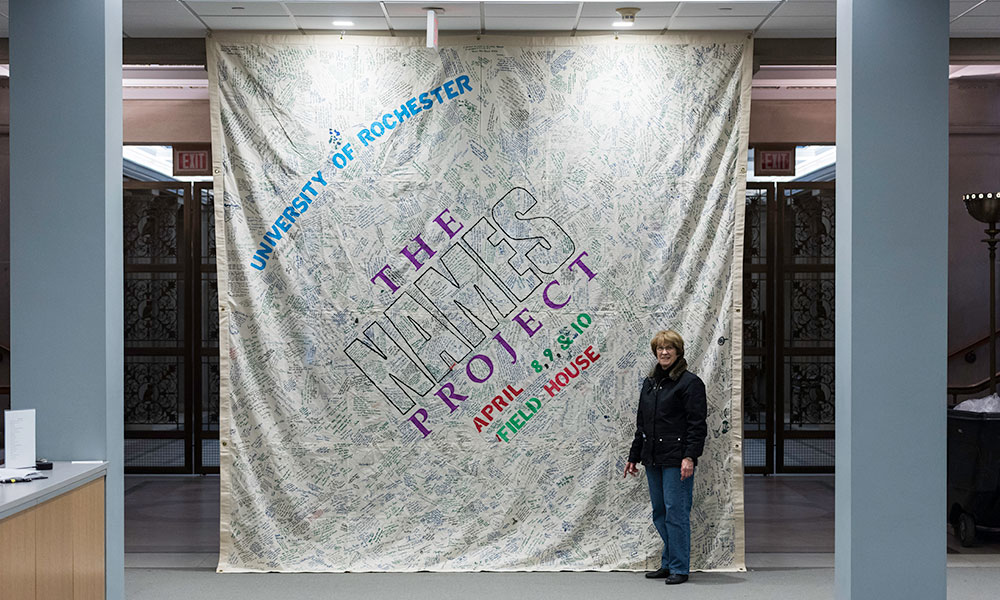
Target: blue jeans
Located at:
point(671, 500)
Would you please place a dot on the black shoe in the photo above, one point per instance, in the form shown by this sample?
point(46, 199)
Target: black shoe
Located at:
point(658, 574)
point(676, 578)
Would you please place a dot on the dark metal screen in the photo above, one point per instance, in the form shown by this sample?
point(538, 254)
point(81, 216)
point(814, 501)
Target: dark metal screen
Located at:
point(171, 407)
point(789, 328)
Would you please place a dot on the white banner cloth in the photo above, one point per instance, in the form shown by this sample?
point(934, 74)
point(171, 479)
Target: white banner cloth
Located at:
point(439, 272)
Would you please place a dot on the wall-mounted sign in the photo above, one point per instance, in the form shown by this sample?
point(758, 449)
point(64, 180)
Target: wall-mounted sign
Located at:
point(771, 161)
point(193, 160)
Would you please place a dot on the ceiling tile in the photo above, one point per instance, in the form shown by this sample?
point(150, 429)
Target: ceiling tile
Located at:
point(646, 9)
point(250, 23)
point(360, 23)
point(990, 9)
point(415, 9)
point(444, 23)
point(988, 25)
point(794, 33)
point(801, 23)
point(532, 9)
point(159, 19)
point(714, 23)
point(826, 8)
point(237, 9)
point(335, 9)
point(641, 24)
point(957, 8)
point(530, 23)
point(719, 9)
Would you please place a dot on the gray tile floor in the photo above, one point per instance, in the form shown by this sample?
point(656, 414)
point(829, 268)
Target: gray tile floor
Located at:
point(172, 544)
point(789, 516)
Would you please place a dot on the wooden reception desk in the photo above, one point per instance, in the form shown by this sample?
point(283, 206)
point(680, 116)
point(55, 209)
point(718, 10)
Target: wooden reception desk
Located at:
point(52, 535)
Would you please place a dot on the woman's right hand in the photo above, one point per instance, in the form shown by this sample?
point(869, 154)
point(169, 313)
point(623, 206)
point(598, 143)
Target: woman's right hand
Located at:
point(630, 469)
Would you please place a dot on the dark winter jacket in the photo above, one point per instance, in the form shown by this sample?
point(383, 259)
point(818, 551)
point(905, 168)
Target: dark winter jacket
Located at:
point(670, 422)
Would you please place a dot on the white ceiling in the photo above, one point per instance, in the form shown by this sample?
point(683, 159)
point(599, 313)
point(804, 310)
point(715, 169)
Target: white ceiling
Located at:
point(775, 19)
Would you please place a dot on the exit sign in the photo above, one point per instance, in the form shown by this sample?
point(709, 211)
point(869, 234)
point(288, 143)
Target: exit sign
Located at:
point(768, 161)
point(191, 160)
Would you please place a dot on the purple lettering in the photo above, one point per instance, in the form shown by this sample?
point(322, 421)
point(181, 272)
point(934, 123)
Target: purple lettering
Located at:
point(579, 261)
point(385, 278)
point(489, 365)
point(412, 254)
point(419, 423)
point(444, 224)
point(526, 324)
point(447, 393)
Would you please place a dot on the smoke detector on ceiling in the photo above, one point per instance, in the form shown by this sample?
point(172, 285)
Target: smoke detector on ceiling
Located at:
point(628, 16)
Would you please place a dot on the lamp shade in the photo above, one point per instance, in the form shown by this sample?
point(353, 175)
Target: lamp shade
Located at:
point(983, 207)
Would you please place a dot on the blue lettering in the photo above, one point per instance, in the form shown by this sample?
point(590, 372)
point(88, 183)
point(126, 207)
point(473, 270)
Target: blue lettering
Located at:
point(425, 100)
point(290, 214)
point(411, 105)
point(365, 136)
point(386, 123)
point(264, 253)
point(274, 235)
point(280, 222)
point(402, 113)
point(449, 91)
point(300, 204)
point(463, 84)
point(255, 259)
point(349, 151)
point(339, 160)
point(378, 132)
point(437, 94)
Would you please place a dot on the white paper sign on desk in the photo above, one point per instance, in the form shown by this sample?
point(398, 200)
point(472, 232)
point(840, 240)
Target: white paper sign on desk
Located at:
point(19, 438)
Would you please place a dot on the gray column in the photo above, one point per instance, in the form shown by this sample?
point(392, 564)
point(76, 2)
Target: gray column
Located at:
point(66, 237)
point(892, 274)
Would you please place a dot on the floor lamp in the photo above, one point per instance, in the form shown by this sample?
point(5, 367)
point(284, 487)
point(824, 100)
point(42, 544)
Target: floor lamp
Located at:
point(986, 209)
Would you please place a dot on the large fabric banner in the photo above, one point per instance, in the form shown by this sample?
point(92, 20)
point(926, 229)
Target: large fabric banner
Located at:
point(439, 273)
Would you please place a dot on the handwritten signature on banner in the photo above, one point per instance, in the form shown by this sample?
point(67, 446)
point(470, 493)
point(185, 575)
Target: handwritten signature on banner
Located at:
point(474, 284)
point(449, 90)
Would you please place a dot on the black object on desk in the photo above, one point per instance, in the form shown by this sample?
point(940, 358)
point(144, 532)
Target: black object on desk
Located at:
point(22, 479)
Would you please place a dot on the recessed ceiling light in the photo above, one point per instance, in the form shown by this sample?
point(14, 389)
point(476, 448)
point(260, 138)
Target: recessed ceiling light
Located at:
point(623, 23)
point(339, 23)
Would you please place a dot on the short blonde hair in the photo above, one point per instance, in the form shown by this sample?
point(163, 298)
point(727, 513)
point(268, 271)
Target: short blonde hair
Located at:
point(667, 337)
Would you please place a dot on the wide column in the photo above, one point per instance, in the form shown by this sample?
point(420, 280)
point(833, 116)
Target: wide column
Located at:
point(66, 237)
point(892, 276)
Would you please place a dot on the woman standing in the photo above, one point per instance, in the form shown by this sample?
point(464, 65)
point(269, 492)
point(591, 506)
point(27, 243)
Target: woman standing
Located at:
point(669, 437)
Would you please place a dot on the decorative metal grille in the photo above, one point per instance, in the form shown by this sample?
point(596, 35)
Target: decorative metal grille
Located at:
point(788, 327)
point(810, 382)
point(154, 392)
point(171, 328)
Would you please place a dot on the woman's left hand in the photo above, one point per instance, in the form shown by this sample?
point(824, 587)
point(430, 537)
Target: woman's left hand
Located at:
point(687, 468)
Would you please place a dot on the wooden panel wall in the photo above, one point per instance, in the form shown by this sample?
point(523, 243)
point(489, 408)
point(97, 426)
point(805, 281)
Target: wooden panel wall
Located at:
point(56, 549)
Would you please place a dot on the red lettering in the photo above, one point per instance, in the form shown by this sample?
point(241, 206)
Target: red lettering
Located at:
point(551, 388)
point(582, 361)
point(590, 354)
point(564, 381)
point(479, 423)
